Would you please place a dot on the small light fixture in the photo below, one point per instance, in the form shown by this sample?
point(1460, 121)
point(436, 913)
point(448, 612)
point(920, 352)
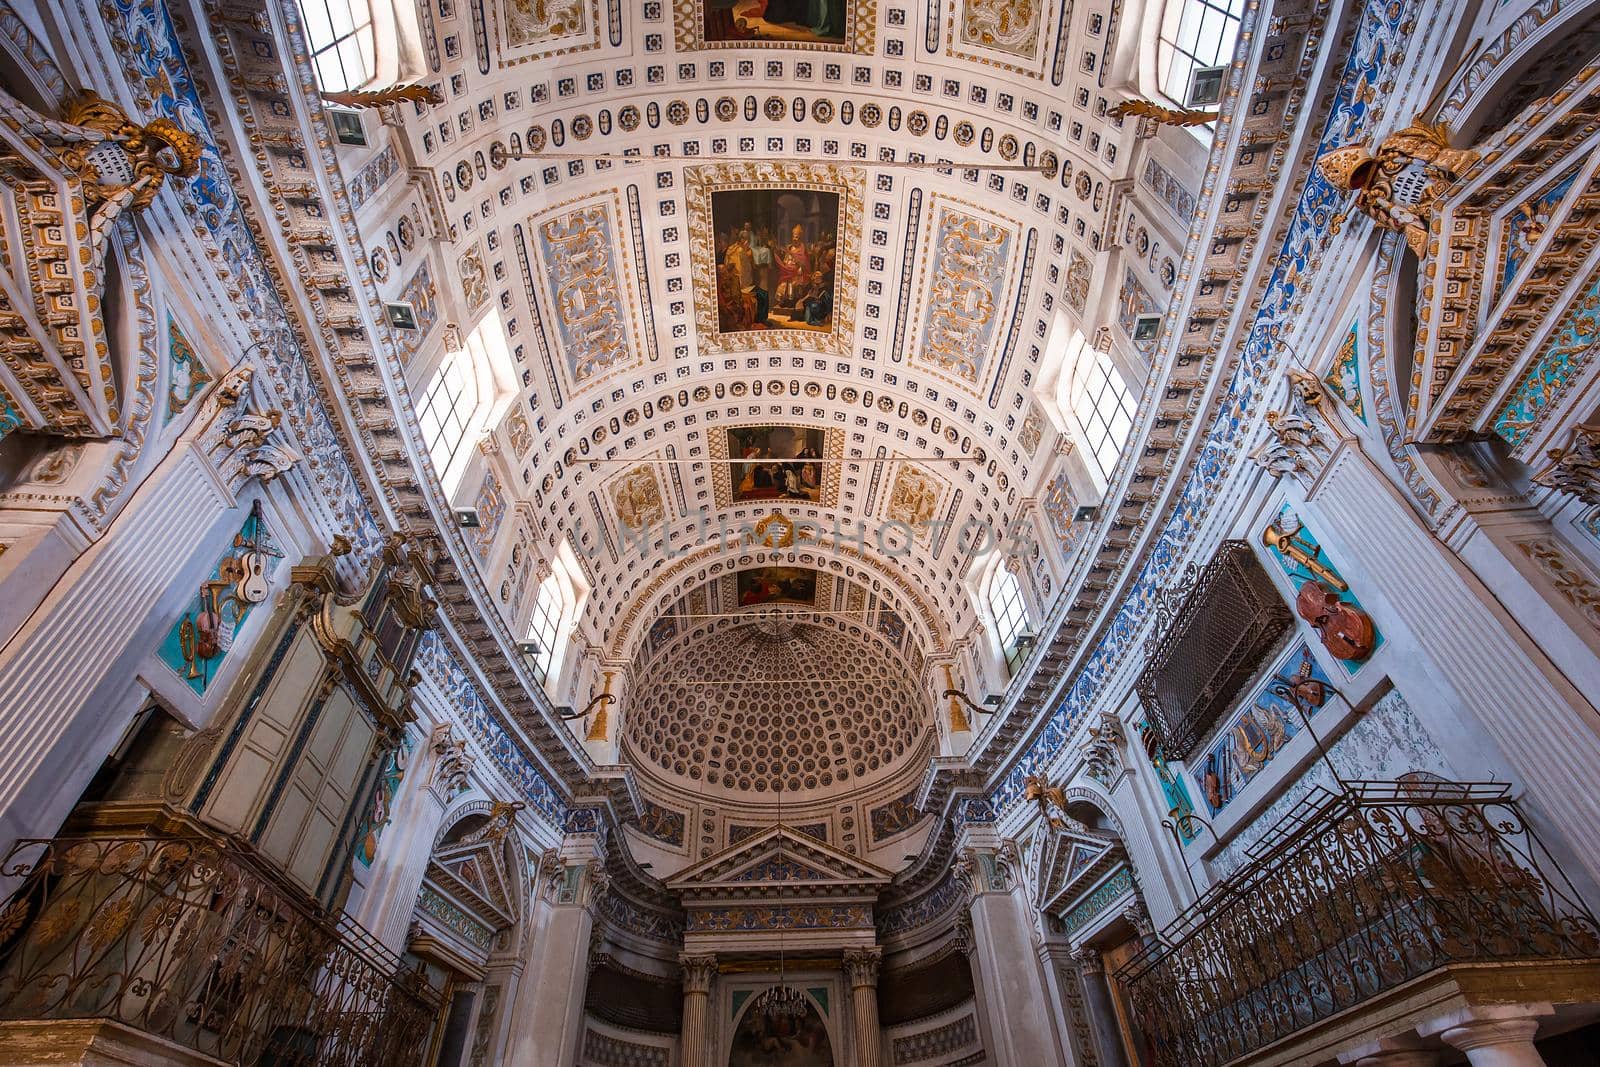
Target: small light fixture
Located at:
point(467, 518)
point(1085, 513)
point(528, 648)
point(1146, 327)
point(401, 315)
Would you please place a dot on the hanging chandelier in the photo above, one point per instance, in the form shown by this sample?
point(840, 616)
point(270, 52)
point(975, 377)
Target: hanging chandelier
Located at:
point(782, 1000)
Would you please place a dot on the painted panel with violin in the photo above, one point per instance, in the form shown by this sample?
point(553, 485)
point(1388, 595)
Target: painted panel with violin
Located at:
point(203, 634)
point(1322, 596)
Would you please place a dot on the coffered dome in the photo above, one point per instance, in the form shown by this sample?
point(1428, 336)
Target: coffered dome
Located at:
point(755, 708)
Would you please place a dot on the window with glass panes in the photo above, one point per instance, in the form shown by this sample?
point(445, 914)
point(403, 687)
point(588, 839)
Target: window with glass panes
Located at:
point(340, 35)
point(1009, 614)
point(542, 627)
point(1104, 409)
point(1194, 34)
point(445, 413)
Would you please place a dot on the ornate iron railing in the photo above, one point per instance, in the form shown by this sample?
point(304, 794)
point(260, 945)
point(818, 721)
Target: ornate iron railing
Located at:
point(195, 942)
point(1372, 888)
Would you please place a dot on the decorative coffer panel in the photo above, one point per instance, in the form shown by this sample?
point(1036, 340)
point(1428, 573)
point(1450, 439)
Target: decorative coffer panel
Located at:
point(295, 754)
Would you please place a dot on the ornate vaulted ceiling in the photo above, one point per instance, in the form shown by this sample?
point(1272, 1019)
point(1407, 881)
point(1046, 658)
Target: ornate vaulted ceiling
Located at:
point(840, 238)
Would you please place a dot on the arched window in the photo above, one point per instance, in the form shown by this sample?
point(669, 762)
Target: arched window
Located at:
point(1196, 36)
point(1087, 398)
point(544, 627)
point(557, 606)
point(1009, 614)
point(360, 43)
point(1103, 408)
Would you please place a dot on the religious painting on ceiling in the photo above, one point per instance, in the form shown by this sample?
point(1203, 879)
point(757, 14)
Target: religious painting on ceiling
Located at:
point(822, 25)
point(776, 251)
point(774, 255)
point(777, 585)
point(967, 257)
point(777, 21)
point(779, 462)
point(776, 463)
point(763, 1040)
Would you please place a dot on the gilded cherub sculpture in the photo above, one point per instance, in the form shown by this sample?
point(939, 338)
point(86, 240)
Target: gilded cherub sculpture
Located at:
point(1398, 185)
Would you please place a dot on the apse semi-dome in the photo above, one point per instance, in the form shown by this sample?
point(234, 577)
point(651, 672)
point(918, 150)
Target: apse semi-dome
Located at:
point(755, 708)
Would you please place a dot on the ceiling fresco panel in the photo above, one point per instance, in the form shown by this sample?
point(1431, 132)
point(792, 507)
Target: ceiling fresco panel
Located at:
point(778, 199)
point(536, 29)
point(776, 466)
point(817, 25)
point(1012, 35)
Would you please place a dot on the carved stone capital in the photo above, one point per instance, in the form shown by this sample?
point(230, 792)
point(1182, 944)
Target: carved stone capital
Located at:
point(1575, 467)
point(1138, 917)
point(241, 440)
point(1088, 961)
point(1102, 755)
point(698, 971)
point(861, 966)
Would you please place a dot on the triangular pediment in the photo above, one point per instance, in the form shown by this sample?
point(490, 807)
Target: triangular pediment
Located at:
point(778, 856)
point(1069, 857)
point(476, 875)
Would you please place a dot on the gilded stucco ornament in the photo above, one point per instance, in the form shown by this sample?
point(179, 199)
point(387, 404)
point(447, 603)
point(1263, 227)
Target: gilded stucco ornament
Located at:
point(1398, 186)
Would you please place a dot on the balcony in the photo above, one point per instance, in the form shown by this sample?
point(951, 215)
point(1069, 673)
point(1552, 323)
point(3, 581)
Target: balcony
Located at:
point(194, 941)
point(1352, 908)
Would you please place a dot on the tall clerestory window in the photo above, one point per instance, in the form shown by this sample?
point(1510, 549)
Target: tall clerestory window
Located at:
point(360, 44)
point(467, 396)
point(544, 627)
point(446, 412)
point(343, 51)
point(1009, 614)
point(1103, 407)
point(1196, 37)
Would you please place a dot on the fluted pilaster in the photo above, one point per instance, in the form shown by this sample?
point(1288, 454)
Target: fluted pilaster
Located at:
point(698, 972)
point(861, 969)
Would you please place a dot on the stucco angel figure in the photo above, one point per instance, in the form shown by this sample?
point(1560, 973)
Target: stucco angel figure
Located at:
point(1398, 186)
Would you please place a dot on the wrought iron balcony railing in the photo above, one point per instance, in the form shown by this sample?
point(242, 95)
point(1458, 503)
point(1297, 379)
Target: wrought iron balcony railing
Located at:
point(1374, 887)
point(191, 941)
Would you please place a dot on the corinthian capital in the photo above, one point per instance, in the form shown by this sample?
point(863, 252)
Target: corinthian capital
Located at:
point(698, 970)
point(861, 966)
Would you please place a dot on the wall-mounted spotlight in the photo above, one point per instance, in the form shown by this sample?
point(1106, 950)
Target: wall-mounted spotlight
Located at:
point(467, 518)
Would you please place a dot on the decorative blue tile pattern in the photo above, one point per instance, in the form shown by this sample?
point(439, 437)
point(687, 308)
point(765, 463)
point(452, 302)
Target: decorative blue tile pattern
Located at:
point(474, 714)
point(1379, 36)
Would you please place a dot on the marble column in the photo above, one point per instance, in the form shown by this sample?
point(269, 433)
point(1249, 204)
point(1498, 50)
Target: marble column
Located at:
point(547, 1013)
point(861, 968)
point(1097, 1004)
point(698, 972)
point(1013, 1004)
point(1496, 1042)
